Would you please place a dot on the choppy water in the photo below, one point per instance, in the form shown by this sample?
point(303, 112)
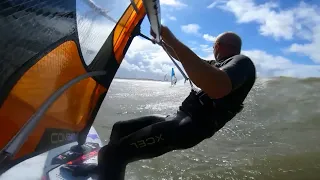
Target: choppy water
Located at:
point(275, 137)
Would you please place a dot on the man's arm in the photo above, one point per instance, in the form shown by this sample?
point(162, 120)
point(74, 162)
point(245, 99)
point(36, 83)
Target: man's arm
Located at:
point(210, 79)
point(174, 55)
point(171, 52)
point(239, 70)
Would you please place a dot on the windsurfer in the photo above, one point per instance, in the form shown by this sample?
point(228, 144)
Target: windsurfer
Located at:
point(224, 82)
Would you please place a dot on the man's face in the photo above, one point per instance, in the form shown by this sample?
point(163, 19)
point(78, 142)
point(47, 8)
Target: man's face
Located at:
point(216, 50)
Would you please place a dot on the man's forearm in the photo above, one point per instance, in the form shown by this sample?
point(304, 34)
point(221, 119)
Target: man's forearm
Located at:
point(210, 79)
point(171, 52)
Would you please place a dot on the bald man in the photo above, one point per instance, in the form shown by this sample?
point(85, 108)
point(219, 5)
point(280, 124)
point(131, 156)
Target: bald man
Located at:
point(224, 83)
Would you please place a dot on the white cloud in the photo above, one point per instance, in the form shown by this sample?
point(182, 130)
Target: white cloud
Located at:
point(206, 48)
point(302, 21)
point(154, 62)
point(131, 67)
point(273, 23)
point(270, 65)
point(172, 18)
point(310, 30)
point(144, 56)
point(215, 3)
point(208, 37)
point(173, 3)
point(191, 28)
point(309, 49)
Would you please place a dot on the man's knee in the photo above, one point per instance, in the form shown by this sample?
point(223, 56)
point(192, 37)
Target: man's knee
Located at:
point(116, 125)
point(115, 131)
point(124, 128)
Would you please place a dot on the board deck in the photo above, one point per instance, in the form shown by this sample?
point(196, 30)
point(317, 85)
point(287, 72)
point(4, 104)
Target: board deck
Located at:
point(41, 167)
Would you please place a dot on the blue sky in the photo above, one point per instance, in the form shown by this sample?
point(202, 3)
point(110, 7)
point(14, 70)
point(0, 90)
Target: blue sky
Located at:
point(281, 37)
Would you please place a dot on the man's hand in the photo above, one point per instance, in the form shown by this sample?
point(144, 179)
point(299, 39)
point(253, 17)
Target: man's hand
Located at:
point(153, 35)
point(168, 38)
point(166, 34)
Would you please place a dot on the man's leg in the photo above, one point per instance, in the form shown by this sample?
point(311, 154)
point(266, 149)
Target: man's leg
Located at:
point(124, 128)
point(149, 142)
point(119, 130)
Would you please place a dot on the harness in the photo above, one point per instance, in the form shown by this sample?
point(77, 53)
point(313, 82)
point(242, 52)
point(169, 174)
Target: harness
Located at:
point(198, 105)
point(210, 113)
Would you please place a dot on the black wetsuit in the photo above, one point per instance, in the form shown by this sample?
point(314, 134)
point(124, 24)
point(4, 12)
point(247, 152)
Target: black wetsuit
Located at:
point(198, 118)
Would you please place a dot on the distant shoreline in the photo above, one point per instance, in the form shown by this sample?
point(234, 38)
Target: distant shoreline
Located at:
point(277, 77)
point(144, 79)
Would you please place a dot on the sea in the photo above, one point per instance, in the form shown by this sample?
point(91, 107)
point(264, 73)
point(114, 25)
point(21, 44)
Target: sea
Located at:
point(276, 136)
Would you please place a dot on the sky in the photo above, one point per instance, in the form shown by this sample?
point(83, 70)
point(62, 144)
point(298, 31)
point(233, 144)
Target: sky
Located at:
point(281, 37)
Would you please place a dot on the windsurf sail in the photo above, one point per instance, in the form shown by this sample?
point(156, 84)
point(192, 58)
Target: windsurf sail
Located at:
point(173, 77)
point(53, 76)
point(165, 78)
point(172, 73)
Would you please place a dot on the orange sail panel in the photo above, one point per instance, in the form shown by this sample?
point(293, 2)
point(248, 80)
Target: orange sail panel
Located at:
point(69, 112)
point(124, 28)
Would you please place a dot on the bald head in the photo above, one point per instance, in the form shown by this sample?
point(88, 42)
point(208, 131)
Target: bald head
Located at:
point(229, 44)
point(231, 39)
